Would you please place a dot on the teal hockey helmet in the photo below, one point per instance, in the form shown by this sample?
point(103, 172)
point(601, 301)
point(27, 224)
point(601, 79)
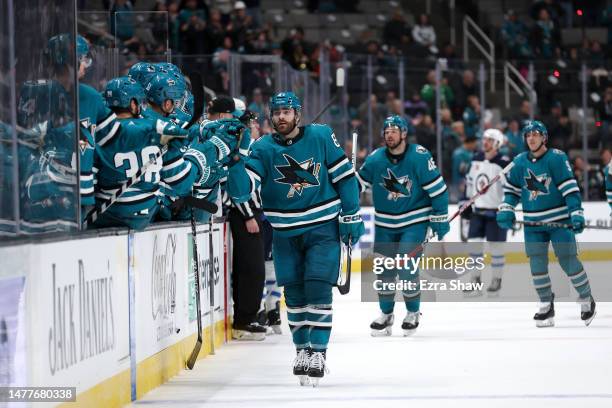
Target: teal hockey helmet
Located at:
point(142, 72)
point(285, 100)
point(58, 49)
point(535, 126)
point(120, 91)
point(397, 122)
point(163, 87)
point(167, 67)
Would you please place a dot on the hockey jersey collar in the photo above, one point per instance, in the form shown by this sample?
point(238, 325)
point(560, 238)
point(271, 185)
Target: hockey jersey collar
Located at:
point(396, 158)
point(535, 159)
point(288, 142)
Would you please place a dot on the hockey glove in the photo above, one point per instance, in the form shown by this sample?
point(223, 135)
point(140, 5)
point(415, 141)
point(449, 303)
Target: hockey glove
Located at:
point(578, 221)
point(228, 136)
point(351, 225)
point(505, 216)
point(439, 224)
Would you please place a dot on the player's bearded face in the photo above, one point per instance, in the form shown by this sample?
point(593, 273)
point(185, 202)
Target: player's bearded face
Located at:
point(284, 120)
point(393, 137)
point(535, 140)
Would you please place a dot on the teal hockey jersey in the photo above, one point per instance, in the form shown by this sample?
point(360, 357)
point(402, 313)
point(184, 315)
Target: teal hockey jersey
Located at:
point(305, 181)
point(120, 157)
point(406, 188)
point(545, 186)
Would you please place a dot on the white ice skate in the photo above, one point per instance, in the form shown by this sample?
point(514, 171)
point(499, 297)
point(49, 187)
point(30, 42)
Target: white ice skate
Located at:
point(300, 366)
point(546, 314)
point(382, 325)
point(317, 367)
point(410, 323)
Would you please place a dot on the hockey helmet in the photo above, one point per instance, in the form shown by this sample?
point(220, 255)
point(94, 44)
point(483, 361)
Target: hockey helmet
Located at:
point(535, 126)
point(142, 72)
point(496, 135)
point(58, 49)
point(163, 87)
point(120, 91)
point(285, 100)
point(397, 122)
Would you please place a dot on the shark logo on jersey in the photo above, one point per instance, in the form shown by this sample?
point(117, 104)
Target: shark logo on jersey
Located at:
point(396, 186)
point(537, 185)
point(299, 175)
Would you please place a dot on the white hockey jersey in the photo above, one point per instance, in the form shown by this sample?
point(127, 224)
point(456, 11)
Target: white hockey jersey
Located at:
point(481, 172)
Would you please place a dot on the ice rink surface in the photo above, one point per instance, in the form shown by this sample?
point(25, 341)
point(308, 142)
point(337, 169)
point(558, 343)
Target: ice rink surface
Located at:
point(464, 354)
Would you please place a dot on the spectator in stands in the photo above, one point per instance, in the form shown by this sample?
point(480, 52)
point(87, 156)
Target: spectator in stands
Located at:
point(395, 29)
point(450, 140)
point(596, 57)
point(415, 106)
point(428, 93)
point(425, 34)
point(258, 106)
point(606, 156)
point(160, 26)
point(225, 7)
point(426, 133)
point(552, 7)
point(453, 61)
point(514, 140)
point(378, 117)
point(595, 178)
point(241, 23)
point(603, 112)
point(545, 36)
point(462, 158)
point(515, 36)
point(524, 112)
point(214, 32)
point(122, 23)
point(559, 128)
point(192, 22)
point(467, 86)
point(471, 116)
point(293, 47)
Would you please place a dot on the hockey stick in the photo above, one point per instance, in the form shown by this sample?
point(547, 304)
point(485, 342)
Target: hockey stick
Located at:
point(211, 284)
point(196, 349)
point(198, 96)
point(345, 287)
point(339, 84)
point(561, 225)
point(465, 205)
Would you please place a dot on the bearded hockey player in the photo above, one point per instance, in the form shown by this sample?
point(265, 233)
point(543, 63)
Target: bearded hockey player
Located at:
point(409, 196)
point(306, 182)
point(484, 167)
point(543, 182)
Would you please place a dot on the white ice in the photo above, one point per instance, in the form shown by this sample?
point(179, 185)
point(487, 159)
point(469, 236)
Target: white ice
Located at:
point(464, 354)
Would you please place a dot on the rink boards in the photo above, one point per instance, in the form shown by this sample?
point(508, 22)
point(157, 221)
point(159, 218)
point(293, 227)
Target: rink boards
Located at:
point(113, 316)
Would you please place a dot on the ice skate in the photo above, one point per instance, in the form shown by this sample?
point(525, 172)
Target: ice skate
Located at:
point(410, 323)
point(494, 286)
point(300, 366)
point(587, 310)
point(251, 331)
point(274, 319)
point(317, 367)
point(546, 314)
point(473, 292)
point(382, 325)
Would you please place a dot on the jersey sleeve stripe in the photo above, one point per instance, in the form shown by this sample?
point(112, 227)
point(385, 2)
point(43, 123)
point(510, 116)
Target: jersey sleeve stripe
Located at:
point(508, 191)
point(111, 134)
point(510, 185)
point(432, 183)
point(567, 183)
point(299, 213)
point(180, 176)
point(338, 165)
point(346, 174)
point(571, 190)
point(436, 193)
point(336, 162)
point(175, 163)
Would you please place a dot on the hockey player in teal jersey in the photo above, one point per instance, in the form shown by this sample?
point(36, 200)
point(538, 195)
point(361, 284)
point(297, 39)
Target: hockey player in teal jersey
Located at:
point(306, 182)
point(97, 122)
point(409, 196)
point(543, 182)
point(120, 156)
